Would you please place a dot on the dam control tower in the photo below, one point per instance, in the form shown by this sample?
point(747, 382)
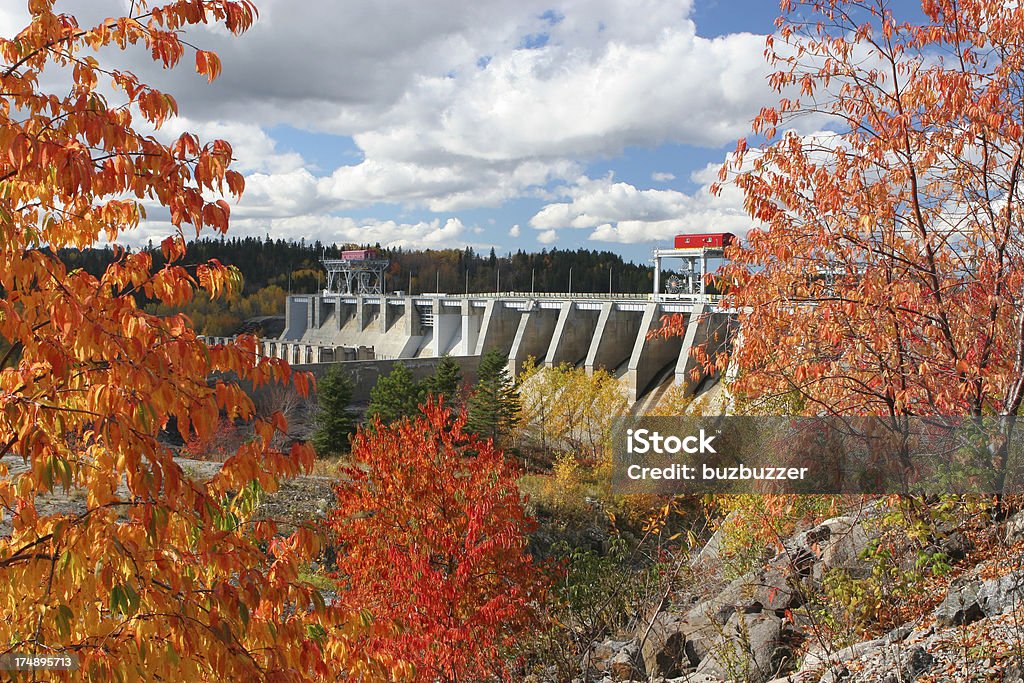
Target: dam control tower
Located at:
point(694, 251)
point(357, 272)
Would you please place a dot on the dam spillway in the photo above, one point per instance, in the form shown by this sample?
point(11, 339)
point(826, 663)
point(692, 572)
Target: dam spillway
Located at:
point(608, 331)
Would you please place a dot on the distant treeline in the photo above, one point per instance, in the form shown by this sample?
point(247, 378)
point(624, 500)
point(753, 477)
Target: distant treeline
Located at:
point(295, 267)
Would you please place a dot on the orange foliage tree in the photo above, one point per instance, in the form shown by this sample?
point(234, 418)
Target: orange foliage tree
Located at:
point(432, 541)
point(886, 275)
point(154, 576)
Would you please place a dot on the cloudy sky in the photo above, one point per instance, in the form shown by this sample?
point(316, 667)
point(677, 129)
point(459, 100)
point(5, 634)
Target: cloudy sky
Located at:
point(527, 124)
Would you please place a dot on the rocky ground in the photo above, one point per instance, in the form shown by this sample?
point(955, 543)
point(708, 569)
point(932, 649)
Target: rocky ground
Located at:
point(759, 629)
point(297, 500)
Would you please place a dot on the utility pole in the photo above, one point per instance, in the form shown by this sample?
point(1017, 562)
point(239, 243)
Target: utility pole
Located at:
point(570, 280)
point(609, 280)
point(533, 276)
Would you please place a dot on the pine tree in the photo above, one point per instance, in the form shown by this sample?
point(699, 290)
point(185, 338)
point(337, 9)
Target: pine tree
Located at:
point(395, 396)
point(446, 381)
point(335, 421)
point(495, 405)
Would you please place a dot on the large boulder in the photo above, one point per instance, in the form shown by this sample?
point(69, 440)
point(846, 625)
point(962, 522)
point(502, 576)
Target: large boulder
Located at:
point(769, 589)
point(625, 665)
point(752, 648)
point(976, 600)
point(602, 653)
point(836, 543)
point(663, 645)
point(914, 662)
point(675, 644)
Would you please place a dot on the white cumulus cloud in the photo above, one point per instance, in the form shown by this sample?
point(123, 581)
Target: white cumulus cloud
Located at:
point(457, 106)
point(548, 237)
point(620, 212)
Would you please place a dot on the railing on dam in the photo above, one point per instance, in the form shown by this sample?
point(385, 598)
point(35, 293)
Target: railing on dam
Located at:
point(562, 296)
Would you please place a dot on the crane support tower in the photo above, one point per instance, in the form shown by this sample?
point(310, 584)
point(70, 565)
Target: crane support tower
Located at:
point(358, 271)
point(694, 251)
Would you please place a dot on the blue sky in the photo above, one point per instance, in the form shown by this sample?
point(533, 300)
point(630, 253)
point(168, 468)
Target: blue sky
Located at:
point(526, 125)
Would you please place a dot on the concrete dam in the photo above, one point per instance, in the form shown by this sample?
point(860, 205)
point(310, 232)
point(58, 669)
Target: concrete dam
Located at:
point(608, 331)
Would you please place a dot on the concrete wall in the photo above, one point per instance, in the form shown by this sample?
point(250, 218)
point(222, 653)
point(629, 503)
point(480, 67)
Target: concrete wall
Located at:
point(650, 357)
point(710, 330)
point(498, 328)
point(447, 327)
point(298, 310)
point(533, 337)
point(472, 322)
point(615, 335)
point(573, 336)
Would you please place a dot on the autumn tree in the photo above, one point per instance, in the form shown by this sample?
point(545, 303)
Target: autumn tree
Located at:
point(432, 538)
point(567, 409)
point(157, 576)
point(335, 421)
point(884, 275)
point(495, 405)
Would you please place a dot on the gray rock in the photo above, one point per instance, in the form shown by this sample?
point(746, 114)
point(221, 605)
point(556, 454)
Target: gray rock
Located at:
point(1014, 672)
point(836, 543)
point(770, 589)
point(625, 665)
point(602, 653)
point(980, 599)
point(956, 546)
point(890, 664)
point(1015, 528)
point(822, 660)
point(918, 661)
point(677, 643)
point(898, 634)
point(752, 649)
point(663, 646)
point(836, 674)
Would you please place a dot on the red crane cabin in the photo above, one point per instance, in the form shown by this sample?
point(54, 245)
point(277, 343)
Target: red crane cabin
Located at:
point(358, 254)
point(706, 240)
